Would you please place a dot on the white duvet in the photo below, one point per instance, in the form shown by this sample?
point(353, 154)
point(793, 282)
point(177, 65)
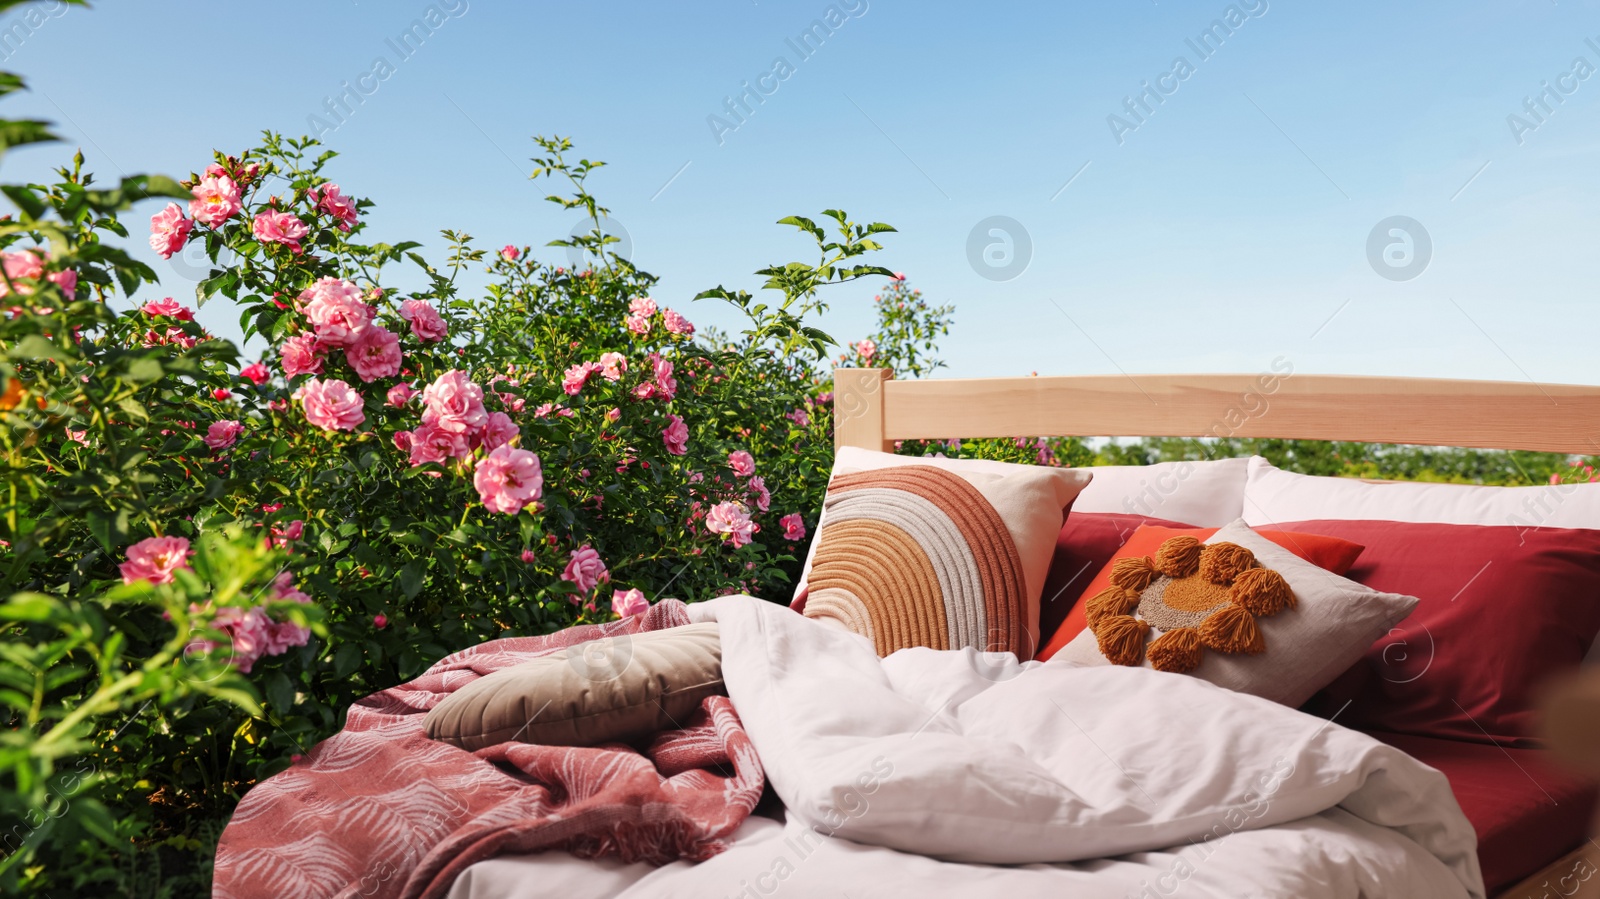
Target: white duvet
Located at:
point(927, 771)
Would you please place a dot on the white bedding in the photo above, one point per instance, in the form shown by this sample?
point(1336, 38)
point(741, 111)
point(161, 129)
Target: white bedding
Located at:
point(935, 768)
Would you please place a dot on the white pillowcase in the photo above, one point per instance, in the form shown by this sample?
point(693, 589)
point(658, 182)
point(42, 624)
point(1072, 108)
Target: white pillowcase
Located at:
point(1202, 494)
point(1273, 496)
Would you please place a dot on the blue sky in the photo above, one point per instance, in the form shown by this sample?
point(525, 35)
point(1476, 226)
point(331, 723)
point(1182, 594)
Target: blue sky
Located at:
point(1229, 228)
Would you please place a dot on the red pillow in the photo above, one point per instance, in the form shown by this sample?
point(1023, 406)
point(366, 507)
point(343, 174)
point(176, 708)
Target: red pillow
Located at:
point(1087, 541)
point(1503, 609)
point(1328, 553)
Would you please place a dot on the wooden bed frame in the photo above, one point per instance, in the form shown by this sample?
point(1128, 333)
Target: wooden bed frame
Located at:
point(872, 411)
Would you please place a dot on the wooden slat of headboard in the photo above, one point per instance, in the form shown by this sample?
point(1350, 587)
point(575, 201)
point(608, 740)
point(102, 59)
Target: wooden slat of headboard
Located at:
point(873, 411)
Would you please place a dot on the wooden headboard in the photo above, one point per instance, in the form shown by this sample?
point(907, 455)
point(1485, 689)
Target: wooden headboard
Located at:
point(872, 411)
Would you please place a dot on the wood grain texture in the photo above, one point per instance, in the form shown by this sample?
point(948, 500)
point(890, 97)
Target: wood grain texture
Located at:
point(1481, 414)
point(858, 408)
point(1570, 877)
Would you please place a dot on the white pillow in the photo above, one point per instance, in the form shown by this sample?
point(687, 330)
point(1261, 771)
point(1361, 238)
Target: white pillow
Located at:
point(1202, 494)
point(1273, 496)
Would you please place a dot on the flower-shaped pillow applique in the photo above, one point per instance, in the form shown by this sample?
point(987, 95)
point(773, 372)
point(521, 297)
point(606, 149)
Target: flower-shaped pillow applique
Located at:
point(1198, 596)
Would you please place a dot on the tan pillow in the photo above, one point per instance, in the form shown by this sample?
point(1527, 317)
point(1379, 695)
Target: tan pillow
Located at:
point(617, 689)
point(1286, 651)
point(943, 553)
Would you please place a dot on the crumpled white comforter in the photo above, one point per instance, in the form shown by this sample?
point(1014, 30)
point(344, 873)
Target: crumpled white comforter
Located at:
point(924, 771)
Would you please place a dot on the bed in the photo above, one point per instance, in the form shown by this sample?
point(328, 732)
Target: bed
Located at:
point(1349, 814)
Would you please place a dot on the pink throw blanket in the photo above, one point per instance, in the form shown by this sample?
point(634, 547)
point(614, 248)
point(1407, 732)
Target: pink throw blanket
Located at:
point(381, 810)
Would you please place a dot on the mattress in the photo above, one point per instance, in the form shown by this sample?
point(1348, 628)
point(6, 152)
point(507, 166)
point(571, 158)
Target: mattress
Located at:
point(1527, 812)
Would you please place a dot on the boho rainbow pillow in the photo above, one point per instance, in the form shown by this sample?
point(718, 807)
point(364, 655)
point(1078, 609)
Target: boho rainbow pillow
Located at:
point(942, 553)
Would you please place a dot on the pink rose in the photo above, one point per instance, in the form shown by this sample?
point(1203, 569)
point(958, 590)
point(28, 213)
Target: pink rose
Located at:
point(301, 355)
point(510, 253)
point(498, 431)
point(216, 198)
point(508, 479)
point(742, 463)
point(629, 602)
point(434, 444)
point(380, 621)
point(676, 436)
point(899, 276)
point(794, 527)
point(334, 306)
point(223, 434)
point(402, 441)
point(24, 264)
point(333, 203)
point(400, 395)
point(154, 559)
point(453, 403)
point(612, 366)
point(867, 349)
point(732, 521)
point(67, 280)
point(573, 379)
point(169, 230)
point(800, 417)
point(584, 569)
point(613, 415)
point(644, 307)
point(758, 487)
point(248, 632)
point(375, 354)
point(666, 384)
point(529, 556)
point(279, 227)
point(221, 394)
point(256, 373)
point(168, 307)
point(676, 323)
point(332, 405)
point(637, 324)
point(426, 322)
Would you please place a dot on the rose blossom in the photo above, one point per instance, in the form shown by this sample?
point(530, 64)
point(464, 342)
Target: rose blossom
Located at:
point(375, 354)
point(642, 306)
point(613, 415)
point(279, 227)
point(400, 395)
point(636, 324)
point(223, 434)
point(332, 405)
point(742, 463)
point(763, 496)
point(666, 384)
point(281, 536)
point(510, 253)
point(247, 630)
point(867, 349)
point(584, 569)
point(573, 379)
point(629, 602)
point(154, 559)
point(216, 198)
point(221, 394)
point(168, 307)
point(453, 403)
point(799, 416)
point(508, 479)
point(434, 444)
point(731, 520)
point(331, 202)
point(794, 528)
point(169, 230)
point(426, 322)
point(335, 307)
point(498, 431)
point(676, 436)
point(676, 323)
point(612, 366)
point(301, 355)
point(256, 373)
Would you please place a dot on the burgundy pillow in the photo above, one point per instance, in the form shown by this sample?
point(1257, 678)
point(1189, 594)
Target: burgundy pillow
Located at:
point(1503, 610)
point(1087, 541)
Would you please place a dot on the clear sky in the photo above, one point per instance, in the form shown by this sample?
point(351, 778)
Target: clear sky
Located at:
point(1227, 226)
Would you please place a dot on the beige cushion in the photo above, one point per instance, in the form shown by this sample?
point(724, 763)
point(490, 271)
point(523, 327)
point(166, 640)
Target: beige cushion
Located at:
point(618, 689)
point(1333, 623)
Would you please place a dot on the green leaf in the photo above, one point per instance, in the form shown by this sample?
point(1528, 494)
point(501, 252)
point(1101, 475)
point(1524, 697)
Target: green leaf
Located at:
point(346, 660)
point(280, 692)
point(26, 200)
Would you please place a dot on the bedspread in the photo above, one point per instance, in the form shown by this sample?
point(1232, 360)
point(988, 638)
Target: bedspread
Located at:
point(380, 810)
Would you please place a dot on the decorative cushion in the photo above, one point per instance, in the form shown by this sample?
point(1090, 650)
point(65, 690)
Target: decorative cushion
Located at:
point(1204, 494)
point(1328, 553)
point(942, 553)
point(1504, 611)
point(1238, 611)
point(1085, 543)
point(618, 689)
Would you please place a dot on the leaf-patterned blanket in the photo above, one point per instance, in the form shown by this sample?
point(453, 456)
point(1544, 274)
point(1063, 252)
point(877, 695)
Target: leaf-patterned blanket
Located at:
point(381, 810)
